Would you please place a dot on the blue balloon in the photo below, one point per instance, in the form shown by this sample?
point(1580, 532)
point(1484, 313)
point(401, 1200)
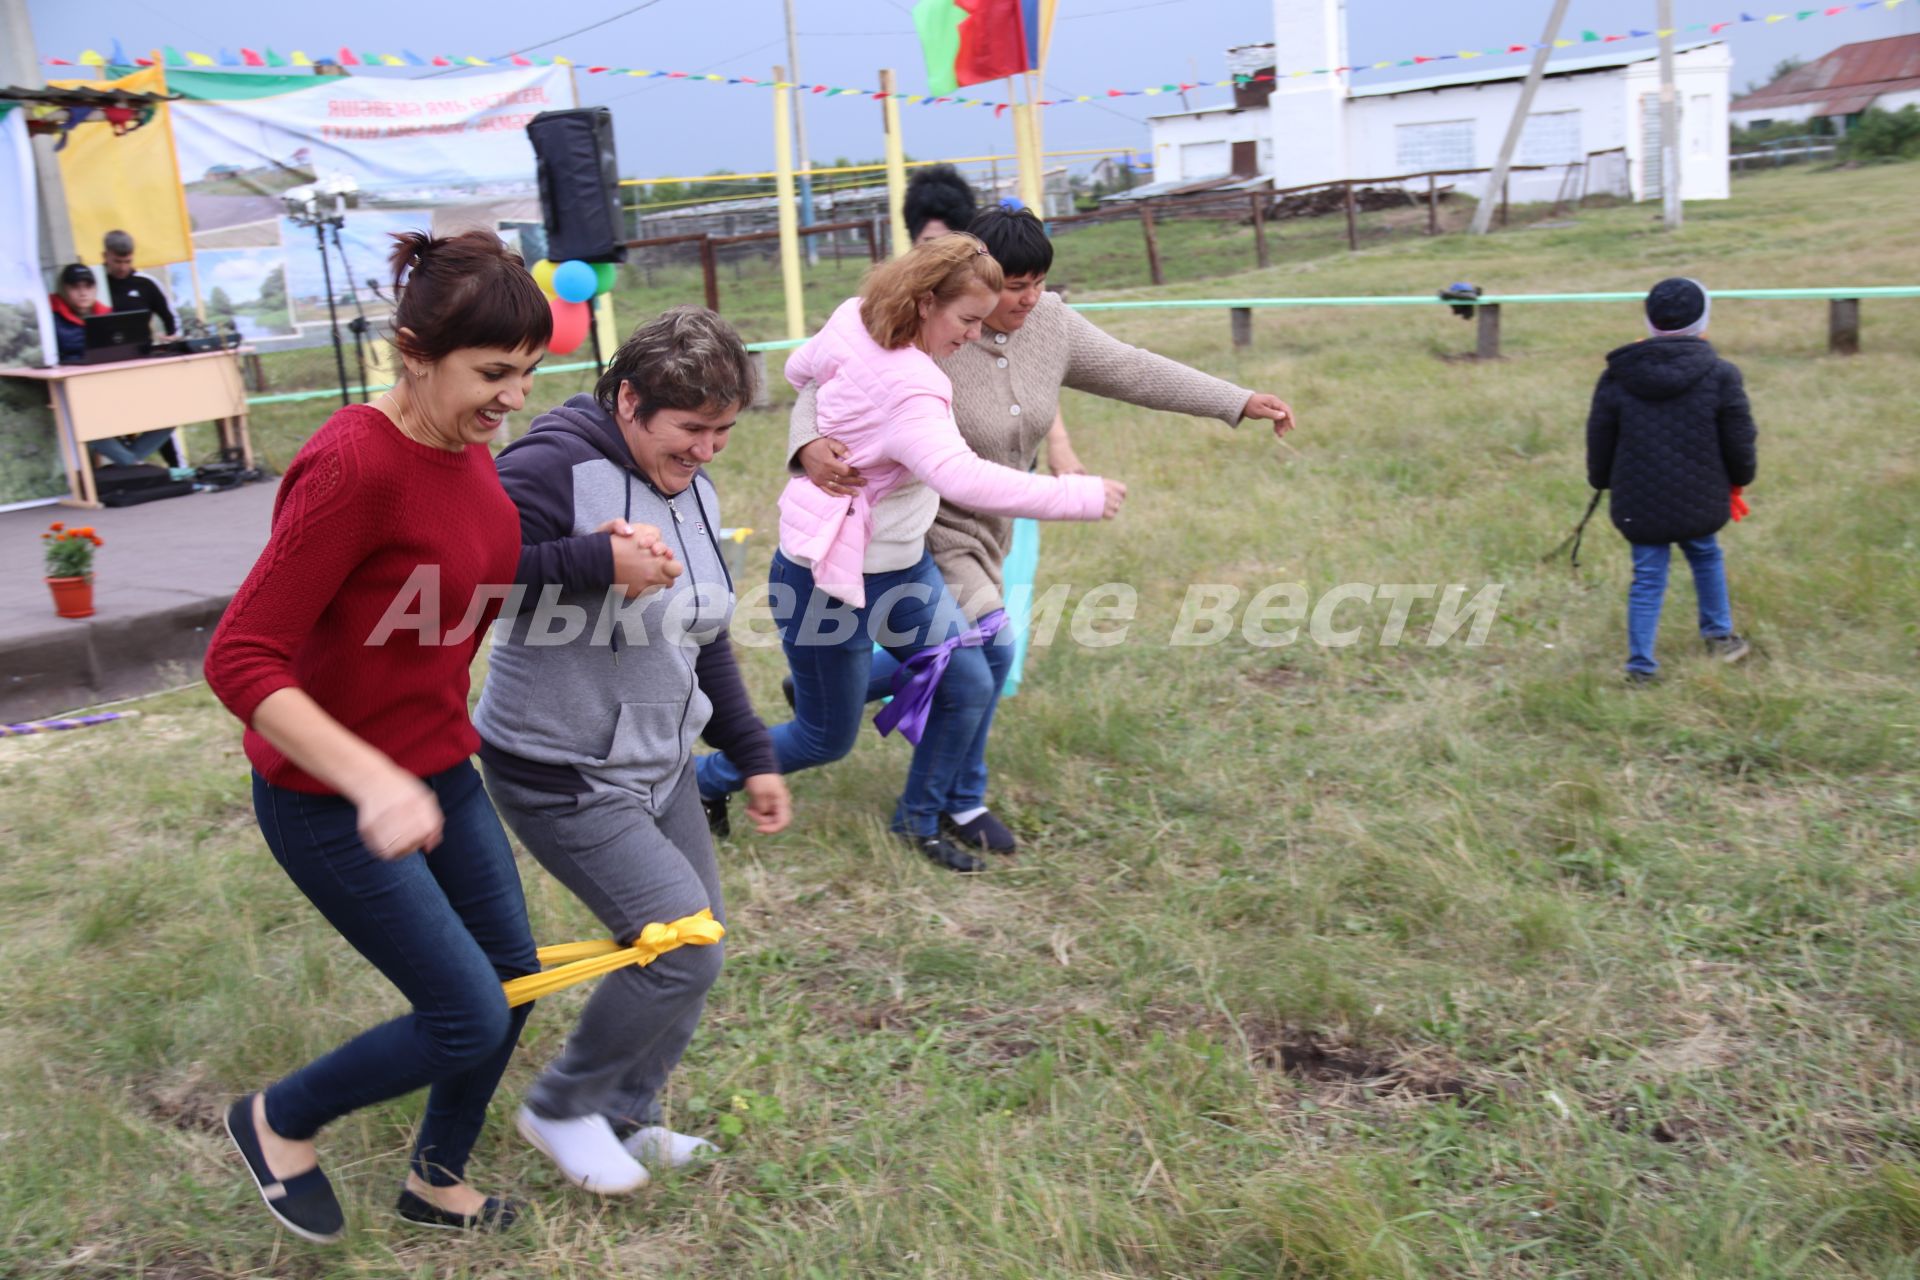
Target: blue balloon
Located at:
point(575, 281)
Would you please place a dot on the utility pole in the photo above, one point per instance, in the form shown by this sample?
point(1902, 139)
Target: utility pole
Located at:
point(800, 130)
point(790, 283)
point(1669, 124)
point(896, 166)
point(19, 64)
point(1496, 182)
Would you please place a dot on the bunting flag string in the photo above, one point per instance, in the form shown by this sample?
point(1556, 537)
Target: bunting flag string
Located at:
point(345, 56)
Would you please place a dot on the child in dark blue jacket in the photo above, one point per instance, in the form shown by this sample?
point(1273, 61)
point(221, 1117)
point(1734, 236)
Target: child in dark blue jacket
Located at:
point(1671, 434)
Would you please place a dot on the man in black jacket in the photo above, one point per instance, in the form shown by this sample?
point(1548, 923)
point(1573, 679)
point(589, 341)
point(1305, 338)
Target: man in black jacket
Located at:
point(129, 290)
point(1671, 434)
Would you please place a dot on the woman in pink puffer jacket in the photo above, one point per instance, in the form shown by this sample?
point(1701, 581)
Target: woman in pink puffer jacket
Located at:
point(855, 572)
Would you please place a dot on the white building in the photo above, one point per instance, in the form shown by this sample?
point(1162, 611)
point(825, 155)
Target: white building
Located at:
point(1326, 128)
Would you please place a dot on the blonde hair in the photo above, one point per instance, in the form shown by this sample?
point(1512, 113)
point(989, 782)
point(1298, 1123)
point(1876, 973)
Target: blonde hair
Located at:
point(943, 269)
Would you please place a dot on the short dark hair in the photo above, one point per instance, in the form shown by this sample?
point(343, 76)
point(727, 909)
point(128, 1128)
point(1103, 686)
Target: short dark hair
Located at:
point(76, 273)
point(938, 192)
point(686, 357)
point(118, 242)
point(467, 290)
point(1016, 239)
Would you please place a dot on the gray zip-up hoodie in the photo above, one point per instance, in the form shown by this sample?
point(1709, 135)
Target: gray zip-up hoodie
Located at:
point(586, 690)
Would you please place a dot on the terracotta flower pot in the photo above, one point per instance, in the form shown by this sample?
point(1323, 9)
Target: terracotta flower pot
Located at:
point(72, 597)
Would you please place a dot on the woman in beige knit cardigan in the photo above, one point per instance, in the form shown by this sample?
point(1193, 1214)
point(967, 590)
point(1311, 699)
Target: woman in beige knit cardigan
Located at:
point(1006, 391)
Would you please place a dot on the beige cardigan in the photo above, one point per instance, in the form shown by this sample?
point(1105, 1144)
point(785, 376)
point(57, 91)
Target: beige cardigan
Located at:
point(1006, 390)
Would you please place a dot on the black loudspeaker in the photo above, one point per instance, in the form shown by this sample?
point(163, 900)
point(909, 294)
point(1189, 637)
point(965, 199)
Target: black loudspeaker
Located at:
point(579, 184)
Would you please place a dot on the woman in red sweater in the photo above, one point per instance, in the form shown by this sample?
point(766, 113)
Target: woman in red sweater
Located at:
point(345, 654)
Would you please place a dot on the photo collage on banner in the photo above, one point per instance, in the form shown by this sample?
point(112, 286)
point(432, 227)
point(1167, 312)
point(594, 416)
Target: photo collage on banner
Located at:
point(30, 466)
point(438, 154)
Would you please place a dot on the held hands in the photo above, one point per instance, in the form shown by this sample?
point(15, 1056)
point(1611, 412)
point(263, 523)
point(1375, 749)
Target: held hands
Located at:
point(1116, 494)
point(641, 561)
point(769, 805)
point(821, 459)
point(398, 814)
point(1271, 408)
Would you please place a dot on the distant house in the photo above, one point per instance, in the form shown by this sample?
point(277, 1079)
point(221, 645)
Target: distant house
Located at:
point(1298, 130)
point(1114, 173)
point(1838, 86)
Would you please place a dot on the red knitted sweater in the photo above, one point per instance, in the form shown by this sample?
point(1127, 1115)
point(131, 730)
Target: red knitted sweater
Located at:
point(369, 525)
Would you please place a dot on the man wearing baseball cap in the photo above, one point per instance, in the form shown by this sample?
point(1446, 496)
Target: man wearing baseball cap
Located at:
point(77, 297)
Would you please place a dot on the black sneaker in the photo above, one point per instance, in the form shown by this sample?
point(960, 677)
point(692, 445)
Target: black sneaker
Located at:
point(1728, 648)
point(305, 1203)
point(717, 820)
point(496, 1215)
point(943, 852)
point(786, 691)
point(984, 832)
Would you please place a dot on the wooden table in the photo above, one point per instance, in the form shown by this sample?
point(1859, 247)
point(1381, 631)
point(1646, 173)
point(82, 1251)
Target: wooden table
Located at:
point(98, 401)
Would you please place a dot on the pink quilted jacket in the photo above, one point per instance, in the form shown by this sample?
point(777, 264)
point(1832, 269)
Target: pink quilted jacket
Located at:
point(894, 412)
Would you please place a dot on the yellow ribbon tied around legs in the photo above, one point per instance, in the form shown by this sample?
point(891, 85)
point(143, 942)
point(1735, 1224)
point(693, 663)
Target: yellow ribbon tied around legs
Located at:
point(580, 961)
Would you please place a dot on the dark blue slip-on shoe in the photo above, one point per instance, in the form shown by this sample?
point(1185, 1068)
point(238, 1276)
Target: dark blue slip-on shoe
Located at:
point(984, 832)
point(719, 825)
point(496, 1215)
point(942, 852)
point(305, 1203)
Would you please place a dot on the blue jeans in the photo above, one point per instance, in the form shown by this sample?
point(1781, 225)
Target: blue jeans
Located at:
point(829, 646)
point(970, 784)
point(446, 928)
point(1649, 589)
point(114, 450)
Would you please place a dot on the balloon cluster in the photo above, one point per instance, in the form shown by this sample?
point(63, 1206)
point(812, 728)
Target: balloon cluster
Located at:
point(570, 287)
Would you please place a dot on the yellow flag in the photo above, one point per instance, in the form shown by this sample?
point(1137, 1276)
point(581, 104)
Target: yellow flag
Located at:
point(128, 182)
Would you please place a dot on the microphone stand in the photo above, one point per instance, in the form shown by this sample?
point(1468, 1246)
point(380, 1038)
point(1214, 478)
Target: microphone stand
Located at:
point(333, 314)
point(358, 324)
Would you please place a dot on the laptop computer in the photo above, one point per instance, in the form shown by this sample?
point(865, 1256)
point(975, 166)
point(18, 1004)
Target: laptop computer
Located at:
point(118, 335)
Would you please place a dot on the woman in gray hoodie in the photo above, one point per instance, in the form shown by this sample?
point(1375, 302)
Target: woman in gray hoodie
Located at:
point(615, 659)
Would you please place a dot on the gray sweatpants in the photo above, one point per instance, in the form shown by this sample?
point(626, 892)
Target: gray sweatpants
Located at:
point(631, 869)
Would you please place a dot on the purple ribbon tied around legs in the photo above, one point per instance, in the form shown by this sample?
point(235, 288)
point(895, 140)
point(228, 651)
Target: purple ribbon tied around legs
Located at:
point(918, 676)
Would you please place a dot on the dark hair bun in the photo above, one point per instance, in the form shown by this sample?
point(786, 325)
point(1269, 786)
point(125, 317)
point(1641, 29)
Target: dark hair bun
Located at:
point(938, 191)
point(465, 290)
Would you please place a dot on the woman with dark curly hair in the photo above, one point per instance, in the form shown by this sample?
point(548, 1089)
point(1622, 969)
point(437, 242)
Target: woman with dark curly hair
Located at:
point(938, 201)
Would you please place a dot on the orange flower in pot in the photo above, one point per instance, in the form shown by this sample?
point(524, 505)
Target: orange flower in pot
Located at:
point(70, 568)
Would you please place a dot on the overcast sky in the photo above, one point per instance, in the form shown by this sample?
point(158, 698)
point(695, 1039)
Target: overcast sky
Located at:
point(668, 127)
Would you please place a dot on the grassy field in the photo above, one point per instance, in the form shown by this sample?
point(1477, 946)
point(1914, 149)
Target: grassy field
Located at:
point(1363, 961)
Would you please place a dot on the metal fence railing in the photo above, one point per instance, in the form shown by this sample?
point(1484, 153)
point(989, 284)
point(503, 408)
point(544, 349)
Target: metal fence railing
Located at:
point(1317, 218)
point(1781, 151)
point(1843, 308)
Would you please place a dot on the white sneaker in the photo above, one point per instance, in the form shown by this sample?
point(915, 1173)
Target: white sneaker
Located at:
point(585, 1151)
point(662, 1147)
